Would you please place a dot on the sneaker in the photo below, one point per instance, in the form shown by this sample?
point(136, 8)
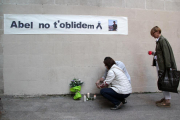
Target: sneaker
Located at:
point(124, 101)
point(116, 107)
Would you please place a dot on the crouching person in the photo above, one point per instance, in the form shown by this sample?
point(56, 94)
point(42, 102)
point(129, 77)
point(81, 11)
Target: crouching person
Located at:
point(120, 85)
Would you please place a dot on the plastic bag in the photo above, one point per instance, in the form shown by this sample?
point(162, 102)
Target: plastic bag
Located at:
point(77, 96)
point(77, 90)
point(168, 80)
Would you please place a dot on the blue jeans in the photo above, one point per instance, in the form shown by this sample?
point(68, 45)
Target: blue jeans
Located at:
point(113, 96)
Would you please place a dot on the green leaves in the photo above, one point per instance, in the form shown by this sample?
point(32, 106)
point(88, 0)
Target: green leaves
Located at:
point(76, 82)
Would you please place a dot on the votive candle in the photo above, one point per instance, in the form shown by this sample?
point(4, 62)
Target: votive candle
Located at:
point(84, 98)
point(94, 96)
point(88, 95)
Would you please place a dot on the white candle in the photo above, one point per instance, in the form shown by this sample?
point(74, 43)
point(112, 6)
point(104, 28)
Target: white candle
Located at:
point(84, 98)
point(94, 96)
point(88, 95)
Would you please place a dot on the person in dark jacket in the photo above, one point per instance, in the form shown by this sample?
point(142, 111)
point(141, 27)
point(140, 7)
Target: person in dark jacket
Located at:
point(114, 26)
point(163, 60)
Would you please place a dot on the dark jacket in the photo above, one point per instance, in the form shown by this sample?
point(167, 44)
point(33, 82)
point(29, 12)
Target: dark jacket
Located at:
point(164, 53)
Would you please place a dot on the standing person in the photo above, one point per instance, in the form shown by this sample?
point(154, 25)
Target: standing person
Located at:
point(163, 60)
point(114, 26)
point(120, 85)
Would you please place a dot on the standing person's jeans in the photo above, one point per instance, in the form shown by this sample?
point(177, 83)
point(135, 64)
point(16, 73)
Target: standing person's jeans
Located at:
point(113, 96)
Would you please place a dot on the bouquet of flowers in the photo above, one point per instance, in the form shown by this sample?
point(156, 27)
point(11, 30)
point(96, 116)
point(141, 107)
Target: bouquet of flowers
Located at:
point(76, 87)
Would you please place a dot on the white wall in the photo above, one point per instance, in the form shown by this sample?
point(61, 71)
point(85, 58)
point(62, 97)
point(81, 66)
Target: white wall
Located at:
point(45, 64)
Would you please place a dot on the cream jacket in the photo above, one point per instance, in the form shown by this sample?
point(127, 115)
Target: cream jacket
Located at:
point(118, 80)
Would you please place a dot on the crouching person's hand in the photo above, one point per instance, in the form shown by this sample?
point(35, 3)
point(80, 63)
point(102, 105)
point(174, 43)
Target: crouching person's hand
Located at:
point(99, 82)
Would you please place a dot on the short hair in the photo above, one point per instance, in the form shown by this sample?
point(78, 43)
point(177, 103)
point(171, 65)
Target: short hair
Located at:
point(109, 62)
point(155, 29)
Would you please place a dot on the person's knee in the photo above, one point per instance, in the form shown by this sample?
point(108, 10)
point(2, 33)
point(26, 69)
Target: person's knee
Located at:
point(102, 91)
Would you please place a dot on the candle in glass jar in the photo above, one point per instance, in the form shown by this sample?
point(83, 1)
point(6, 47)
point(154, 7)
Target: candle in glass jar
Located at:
point(84, 98)
point(94, 96)
point(88, 95)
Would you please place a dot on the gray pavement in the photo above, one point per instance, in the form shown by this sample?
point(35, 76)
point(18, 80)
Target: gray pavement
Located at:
point(139, 107)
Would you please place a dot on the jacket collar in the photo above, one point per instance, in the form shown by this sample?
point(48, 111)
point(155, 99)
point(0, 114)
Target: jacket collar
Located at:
point(159, 38)
point(115, 66)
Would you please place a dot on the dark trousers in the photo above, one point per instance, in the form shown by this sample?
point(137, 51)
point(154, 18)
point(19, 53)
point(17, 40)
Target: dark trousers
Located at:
point(113, 96)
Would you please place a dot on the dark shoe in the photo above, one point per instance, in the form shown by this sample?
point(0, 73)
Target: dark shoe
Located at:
point(160, 101)
point(164, 104)
point(116, 107)
point(124, 101)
